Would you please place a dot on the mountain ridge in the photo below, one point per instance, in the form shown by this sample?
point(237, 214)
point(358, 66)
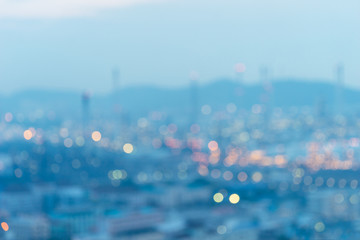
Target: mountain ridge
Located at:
point(218, 94)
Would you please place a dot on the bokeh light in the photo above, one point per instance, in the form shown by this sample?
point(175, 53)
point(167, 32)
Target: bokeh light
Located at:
point(96, 136)
point(213, 146)
point(234, 198)
point(218, 197)
point(28, 134)
point(5, 226)
point(128, 148)
point(319, 227)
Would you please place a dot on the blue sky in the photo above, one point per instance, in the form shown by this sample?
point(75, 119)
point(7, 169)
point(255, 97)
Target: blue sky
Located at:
point(74, 44)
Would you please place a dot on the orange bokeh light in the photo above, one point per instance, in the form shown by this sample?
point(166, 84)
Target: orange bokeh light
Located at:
point(28, 134)
point(5, 226)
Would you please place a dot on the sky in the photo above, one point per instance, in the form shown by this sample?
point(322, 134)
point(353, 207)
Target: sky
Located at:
point(75, 44)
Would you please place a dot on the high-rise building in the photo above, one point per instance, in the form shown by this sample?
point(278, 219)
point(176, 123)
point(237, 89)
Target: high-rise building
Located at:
point(194, 101)
point(266, 96)
point(85, 100)
point(239, 75)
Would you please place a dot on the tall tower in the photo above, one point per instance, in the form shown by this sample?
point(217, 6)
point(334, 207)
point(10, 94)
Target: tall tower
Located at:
point(264, 80)
point(85, 102)
point(239, 75)
point(266, 96)
point(194, 97)
point(115, 74)
point(339, 88)
point(239, 71)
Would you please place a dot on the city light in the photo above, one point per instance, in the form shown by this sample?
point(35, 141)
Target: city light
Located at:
point(96, 136)
point(319, 227)
point(28, 134)
point(8, 117)
point(128, 148)
point(234, 198)
point(218, 197)
point(213, 146)
point(257, 177)
point(221, 229)
point(5, 226)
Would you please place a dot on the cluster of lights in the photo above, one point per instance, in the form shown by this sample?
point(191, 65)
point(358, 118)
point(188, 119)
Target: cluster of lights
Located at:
point(323, 156)
point(173, 143)
point(96, 136)
point(256, 177)
point(315, 160)
point(241, 157)
point(233, 198)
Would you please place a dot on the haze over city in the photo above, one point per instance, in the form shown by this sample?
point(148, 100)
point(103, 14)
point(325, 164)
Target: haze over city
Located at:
point(179, 119)
point(74, 45)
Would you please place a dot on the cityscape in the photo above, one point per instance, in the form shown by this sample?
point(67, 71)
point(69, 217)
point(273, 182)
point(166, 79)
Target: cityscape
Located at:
point(179, 120)
point(263, 172)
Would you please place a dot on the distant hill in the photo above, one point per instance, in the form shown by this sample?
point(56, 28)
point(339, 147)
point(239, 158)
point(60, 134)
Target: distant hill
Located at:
point(141, 100)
